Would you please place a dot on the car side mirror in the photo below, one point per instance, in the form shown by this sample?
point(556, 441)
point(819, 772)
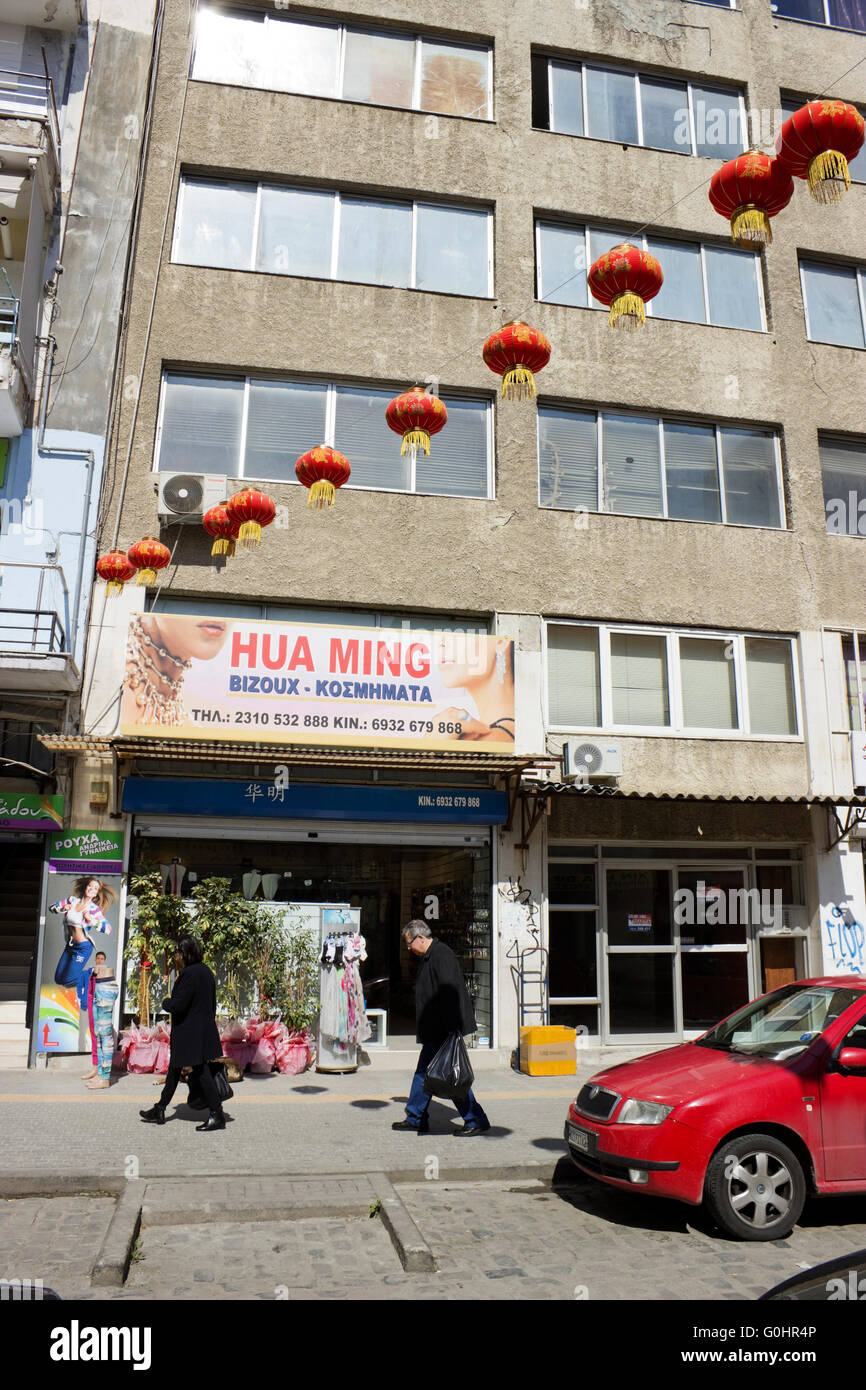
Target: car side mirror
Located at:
point(853, 1059)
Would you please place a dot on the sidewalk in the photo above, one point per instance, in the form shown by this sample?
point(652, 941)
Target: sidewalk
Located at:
point(50, 1124)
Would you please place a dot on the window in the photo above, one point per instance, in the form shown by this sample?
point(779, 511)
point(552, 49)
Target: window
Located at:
point(843, 474)
point(631, 108)
point(841, 14)
point(678, 682)
point(303, 231)
point(834, 299)
point(256, 428)
point(703, 284)
point(857, 165)
point(340, 617)
point(854, 658)
point(285, 54)
point(641, 465)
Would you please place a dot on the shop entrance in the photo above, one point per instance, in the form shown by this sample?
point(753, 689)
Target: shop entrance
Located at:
point(446, 885)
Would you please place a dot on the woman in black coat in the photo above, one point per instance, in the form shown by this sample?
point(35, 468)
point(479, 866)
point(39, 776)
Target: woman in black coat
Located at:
point(194, 1037)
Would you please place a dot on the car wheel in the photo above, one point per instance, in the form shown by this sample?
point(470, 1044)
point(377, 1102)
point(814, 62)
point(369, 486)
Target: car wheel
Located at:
point(755, 1188)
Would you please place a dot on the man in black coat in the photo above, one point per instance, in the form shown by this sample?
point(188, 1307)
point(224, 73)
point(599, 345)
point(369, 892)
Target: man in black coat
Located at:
point(195, 1039)
point(442, 1006)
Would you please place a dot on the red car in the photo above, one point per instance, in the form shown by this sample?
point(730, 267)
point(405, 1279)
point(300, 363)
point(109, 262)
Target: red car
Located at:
point(763, 1110)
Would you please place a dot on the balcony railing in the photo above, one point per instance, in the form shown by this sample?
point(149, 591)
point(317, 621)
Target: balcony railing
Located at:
point(8, 320)
point(29, 94)
point(31, 631)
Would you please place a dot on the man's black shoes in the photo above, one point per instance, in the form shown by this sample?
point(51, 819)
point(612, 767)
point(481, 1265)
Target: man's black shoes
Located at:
point(467, 1130)
point(423, 1128)
point(154, 1116)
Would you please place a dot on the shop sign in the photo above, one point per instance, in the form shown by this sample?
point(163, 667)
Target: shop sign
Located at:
point(308, 801)
point(29, 811)
point(76, 851)
point(640, 921)
point(232, 679)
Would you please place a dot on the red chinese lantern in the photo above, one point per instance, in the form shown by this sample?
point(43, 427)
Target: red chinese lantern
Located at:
point(515, 353)
point(148, 556)
point(750, 190)
point(116, 570)
point(223, 528)
point(625, 278)
point(250, 511)
point(816, 144)
point(416, 415)
point(322, 470)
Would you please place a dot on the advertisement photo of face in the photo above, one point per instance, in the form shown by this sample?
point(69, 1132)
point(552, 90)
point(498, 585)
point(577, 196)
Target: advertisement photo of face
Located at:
point(160, 651)
point(484, 669)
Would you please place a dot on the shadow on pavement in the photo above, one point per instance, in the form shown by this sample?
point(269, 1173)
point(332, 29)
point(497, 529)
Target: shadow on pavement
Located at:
point(370, 1104)
point(309, 1090)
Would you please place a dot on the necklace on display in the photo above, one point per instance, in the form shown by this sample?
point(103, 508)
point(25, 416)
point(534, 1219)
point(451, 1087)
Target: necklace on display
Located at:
point(156, 706)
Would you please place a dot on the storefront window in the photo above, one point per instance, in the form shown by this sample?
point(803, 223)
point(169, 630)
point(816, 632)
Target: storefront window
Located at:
point(446, 885)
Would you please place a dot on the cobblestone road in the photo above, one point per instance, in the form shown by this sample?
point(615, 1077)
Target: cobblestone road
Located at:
point(492, 1241)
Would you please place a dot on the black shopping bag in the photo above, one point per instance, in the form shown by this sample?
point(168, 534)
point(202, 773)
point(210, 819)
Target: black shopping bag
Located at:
point(449, 1075)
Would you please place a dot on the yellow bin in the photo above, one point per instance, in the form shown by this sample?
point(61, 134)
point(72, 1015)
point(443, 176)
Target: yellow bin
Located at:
point(548, 1051)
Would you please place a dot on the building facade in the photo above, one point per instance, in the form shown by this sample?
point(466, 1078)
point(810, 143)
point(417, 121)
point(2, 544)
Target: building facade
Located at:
point(665, 546)
point(73, 82)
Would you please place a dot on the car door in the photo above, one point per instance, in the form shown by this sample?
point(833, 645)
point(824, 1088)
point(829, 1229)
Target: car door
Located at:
point(843, 1115)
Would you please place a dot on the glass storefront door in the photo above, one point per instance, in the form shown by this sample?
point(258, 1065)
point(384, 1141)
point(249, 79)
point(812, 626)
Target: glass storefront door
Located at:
point(715, 920)
point(640, 954)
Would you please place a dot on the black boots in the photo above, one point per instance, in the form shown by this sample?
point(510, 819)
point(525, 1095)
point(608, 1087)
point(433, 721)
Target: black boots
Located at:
point(154, 1116)
point(215, 1120)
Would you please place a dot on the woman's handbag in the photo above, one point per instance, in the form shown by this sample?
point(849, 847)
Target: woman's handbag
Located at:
point(221, 1080)
point(449, 1075)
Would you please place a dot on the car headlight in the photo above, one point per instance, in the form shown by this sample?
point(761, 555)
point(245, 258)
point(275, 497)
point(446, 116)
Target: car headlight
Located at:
point(643, 1112)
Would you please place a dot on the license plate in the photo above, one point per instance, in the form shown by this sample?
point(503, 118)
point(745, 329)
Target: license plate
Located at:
point(582, 1139)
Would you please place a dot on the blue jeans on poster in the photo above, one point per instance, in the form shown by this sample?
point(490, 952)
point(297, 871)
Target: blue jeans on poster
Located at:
point(104, 1000)
point(72, 968)
point(419, 1100)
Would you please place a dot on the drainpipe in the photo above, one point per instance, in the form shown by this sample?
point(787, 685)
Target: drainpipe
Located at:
point(88, 454)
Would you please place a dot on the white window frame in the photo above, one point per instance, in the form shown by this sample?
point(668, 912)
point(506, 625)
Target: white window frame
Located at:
point(332, 387)
point(583, 65)
point(675, 729)
point(643, 242)
point(716, 425)
point(860, 282)
point(338, 195)
point(343, 30)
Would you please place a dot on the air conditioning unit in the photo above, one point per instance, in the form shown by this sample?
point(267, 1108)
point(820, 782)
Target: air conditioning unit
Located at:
point(185, 497)
point(584, 760)
point(858, 757)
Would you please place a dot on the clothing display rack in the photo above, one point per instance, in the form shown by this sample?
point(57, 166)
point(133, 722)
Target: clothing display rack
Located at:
point(342, 1022)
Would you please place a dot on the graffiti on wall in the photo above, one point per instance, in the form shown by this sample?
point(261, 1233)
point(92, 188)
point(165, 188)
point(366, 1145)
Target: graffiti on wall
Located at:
point(845, 939)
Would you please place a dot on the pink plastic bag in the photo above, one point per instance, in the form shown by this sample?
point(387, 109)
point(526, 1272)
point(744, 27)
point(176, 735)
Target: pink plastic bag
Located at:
point(263, 1057)
point(296, 1056)
point(240, 1052)
point(142, 1054)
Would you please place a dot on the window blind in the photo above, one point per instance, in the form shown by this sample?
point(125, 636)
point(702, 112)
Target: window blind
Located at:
point(566, 88)
point(639, 679)
point(632, 465)
point(682, 294)
point(284, 420)
point(574, 696)
point(709, 689)
point(362, 434)
point(751, 486)
point(611, 104)
point(457, 464)
point(568, 458)
point(201, 425)
point(843, 474)
point(692, 471)
point(770, 681)
point(833, 305)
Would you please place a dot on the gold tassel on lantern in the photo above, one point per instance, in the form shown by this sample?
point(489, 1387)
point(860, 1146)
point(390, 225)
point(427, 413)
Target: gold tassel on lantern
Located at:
point(146, 577)
point(415, 440)
point(828, 172)
point(250, 535)
point(751, 225)
point(518, 384)
point(222, 546)
point(627, 311)
point(321, 495)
